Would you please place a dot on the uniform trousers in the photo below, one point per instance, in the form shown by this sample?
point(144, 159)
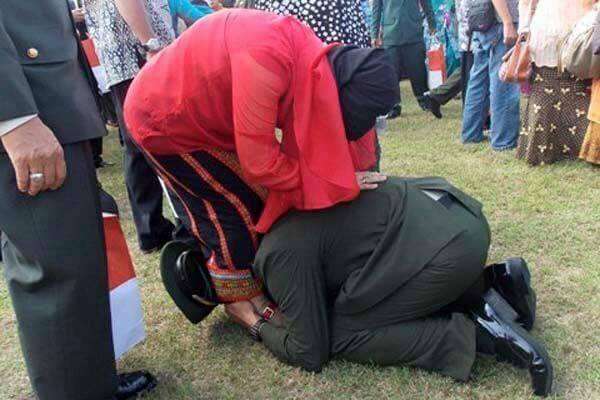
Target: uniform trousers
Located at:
point(55, 267)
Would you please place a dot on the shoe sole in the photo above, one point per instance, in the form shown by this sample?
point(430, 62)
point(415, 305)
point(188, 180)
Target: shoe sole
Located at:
point(546, 388)
point(517, 268)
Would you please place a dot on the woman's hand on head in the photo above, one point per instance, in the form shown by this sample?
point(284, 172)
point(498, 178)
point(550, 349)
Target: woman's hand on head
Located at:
point(369, 180)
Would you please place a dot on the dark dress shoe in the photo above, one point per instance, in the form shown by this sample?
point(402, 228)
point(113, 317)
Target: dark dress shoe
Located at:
point(434, 106)
point(395, 112)
point(134, 384)
point(165, 236)
point(511, 343)
point(511, 278)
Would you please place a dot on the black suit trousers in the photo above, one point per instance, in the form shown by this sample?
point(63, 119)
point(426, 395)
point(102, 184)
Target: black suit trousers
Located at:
point(143, 188)
point(55, 267)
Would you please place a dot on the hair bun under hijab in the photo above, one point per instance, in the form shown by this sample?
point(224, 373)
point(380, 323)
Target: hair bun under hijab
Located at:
point(367, 86)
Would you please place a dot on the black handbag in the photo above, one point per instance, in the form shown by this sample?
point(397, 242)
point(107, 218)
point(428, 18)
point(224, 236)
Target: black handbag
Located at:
point(481, 15)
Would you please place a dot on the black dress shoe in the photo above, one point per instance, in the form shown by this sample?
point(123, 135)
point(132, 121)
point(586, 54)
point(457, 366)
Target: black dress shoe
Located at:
point(434, 106)
point(134, 384)
point(395, 112)
point(511, 278)
point(513, 344)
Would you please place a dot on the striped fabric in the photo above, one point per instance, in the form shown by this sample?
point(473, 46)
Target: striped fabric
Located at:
point(220, 209)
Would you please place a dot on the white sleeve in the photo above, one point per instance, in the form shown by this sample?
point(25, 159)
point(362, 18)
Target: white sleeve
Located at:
point(12, 124)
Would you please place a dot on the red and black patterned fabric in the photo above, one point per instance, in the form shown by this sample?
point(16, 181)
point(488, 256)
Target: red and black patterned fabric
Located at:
point(220, 209)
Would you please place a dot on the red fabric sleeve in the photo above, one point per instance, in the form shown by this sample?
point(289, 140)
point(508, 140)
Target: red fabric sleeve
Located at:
point(259, 81)
point(363, 151)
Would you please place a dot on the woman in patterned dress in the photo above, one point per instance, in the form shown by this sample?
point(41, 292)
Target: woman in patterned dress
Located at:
point(554, 123)
point(332, 20)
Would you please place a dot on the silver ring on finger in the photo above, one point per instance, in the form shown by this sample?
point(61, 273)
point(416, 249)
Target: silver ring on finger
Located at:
point(36, 177)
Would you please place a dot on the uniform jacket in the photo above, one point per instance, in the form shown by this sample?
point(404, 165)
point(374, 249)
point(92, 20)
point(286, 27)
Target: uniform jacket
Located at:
point(400, 22)
point(41, 70)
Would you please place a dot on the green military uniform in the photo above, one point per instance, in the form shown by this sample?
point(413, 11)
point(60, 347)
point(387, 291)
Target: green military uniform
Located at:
point(377, 279)
point(53, 243)
point(400, 24)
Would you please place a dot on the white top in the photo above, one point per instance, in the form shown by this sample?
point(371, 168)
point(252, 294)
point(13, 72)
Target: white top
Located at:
point(552, 21)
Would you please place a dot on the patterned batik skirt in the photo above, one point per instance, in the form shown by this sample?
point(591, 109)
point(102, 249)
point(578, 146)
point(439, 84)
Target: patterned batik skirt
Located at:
point(220, 209)
point(332, 20)
point(590, 150)
point(555, 119)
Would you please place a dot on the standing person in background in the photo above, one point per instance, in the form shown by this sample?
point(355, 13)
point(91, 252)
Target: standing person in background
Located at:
point(486, 90)
point(188, 12)
point(122, 30)
point(398, 26)
point(332, 21)
point(554, 122)
point(590, 151)
point(53, 240)
point(465, 45)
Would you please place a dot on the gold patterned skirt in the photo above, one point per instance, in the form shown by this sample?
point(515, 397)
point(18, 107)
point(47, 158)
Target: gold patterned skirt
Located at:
point(590, 150)
point(555, 118)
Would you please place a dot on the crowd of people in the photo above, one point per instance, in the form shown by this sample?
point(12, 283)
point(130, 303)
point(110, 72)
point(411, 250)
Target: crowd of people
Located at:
point(387, 270)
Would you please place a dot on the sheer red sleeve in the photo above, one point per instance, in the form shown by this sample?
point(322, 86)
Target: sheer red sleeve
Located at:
point(259, 81)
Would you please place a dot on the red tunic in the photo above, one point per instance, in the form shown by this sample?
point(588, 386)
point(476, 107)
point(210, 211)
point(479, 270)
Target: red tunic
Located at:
point(227, 83)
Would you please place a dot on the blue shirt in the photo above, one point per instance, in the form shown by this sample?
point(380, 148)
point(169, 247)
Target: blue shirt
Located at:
point(187, 11)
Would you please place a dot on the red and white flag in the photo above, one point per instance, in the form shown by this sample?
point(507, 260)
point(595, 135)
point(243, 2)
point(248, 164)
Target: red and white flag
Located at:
point(436, 65)
point(97, 68)
point(125, 299)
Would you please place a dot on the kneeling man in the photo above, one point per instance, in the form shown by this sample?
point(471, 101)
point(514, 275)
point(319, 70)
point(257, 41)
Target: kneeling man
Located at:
point(396, 276)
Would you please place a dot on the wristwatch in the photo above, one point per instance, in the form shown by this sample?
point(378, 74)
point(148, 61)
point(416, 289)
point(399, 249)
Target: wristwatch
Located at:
point(255, 329)
point(153, 45)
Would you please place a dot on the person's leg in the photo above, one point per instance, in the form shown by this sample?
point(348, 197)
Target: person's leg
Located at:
point(55, 266)
point(416, 325)
point(448, 90)
point(396, 57)
point(476, 104)
point(504, 103)
point(414, 61)
point(465, 72)
point(96, 145)
point(143, 188)
point(220, 209)
point(444, 344)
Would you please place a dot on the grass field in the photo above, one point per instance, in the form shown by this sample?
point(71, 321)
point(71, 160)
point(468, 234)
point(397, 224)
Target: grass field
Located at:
point(550, 215)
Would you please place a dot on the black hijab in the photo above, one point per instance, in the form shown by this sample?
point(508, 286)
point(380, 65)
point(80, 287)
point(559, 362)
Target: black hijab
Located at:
point(367, 86)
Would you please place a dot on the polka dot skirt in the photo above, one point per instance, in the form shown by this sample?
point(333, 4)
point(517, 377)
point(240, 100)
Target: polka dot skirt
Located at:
point(332, 20)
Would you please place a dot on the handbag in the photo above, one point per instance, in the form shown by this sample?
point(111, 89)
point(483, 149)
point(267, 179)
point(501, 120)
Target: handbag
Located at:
point(577, 49)
point(516, 64)
point(481, 15)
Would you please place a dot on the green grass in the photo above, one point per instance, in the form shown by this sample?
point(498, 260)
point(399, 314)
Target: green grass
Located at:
point(550, 215)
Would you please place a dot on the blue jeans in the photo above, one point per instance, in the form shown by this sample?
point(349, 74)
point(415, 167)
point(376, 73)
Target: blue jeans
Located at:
point(487, 92)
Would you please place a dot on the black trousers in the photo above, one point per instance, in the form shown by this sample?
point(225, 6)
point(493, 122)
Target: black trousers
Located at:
point(410, 59)
point(143, 189)
point(55, 267)
point(465, 71)
point(449, 89)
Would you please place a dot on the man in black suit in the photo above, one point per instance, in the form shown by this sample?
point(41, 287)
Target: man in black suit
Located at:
point(52, 241)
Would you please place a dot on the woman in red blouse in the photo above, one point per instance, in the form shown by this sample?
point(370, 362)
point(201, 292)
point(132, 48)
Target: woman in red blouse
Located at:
point(205, 111)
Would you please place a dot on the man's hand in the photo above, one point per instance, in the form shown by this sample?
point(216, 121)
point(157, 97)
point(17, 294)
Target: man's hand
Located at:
point(78, 15)
point(369, 180)
point(33, 149)
point(510, 34)
point(377, 42)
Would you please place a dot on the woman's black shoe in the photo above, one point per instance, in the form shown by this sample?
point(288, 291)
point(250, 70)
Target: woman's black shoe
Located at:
point(134, 384)
point(511, 343)
point(512, 280)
